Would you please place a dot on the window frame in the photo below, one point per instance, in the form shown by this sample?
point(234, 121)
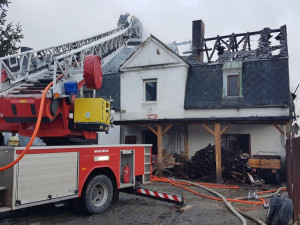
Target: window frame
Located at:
point(226, 77)
point(237, 85)
point(144, 84)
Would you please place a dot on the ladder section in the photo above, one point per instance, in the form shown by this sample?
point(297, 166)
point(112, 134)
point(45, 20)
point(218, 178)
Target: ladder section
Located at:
point(30, 87)
point(67, 58)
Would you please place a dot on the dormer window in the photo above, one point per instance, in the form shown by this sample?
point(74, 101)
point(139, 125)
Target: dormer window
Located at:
point(233, 85)
point(232, 79)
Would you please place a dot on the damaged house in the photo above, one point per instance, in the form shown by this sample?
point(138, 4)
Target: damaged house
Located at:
point(230, 92)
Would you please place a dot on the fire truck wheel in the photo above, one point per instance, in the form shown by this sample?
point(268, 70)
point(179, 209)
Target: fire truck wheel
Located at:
point(274, 205)
point(98, 195)
point(285, 213)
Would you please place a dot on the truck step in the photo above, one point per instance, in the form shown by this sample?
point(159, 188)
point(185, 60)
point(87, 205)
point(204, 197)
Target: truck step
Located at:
point(4, 209)
point(2, 188)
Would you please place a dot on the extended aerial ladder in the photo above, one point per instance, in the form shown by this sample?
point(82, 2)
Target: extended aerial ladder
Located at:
point(24, 77)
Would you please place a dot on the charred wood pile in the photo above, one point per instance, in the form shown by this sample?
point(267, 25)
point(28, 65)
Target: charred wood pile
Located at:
point(202, 166)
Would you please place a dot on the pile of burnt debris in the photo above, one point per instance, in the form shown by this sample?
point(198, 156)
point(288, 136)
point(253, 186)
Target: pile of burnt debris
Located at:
point(202, 166)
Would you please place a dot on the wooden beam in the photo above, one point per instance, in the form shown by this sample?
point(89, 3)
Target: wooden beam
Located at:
point(159, 151)
point(225, 128)
point(167, 129)
point(218, 152)
point(152, 129)
point(288, 133)
point(279, 129)
point(186, 140)
point(208, 129)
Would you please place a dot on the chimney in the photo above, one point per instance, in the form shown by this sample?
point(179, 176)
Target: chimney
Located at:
point(198, 40)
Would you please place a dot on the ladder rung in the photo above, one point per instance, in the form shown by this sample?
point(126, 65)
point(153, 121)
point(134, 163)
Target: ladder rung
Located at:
point(45, 80)
point(35, 88)
point(30, 92)
point(27, 85)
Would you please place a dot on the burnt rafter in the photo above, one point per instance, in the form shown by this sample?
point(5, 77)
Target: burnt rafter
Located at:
point(247, 46)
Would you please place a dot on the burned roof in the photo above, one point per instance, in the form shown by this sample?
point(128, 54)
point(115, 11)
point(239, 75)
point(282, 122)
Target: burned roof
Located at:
point(263, 71)
point(250, 46)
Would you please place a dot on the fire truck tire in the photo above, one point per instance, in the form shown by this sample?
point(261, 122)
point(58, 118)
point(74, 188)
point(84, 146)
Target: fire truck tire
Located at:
point(285, 213)
point(97, 195)
point(274, 205)
point(116, 196)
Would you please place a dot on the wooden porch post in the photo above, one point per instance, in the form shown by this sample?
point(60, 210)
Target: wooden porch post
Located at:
point(159, 134)
point(159, 150)
point(218, 152)
point(217, 134)
point(186, 140)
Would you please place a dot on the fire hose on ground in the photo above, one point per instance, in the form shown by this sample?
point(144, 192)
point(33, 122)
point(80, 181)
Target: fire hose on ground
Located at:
point(207, 186)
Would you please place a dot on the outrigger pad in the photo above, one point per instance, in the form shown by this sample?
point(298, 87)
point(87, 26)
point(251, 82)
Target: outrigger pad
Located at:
point(92, 72)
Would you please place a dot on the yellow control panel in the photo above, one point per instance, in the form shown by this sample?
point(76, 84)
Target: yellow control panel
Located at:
point(91, 113)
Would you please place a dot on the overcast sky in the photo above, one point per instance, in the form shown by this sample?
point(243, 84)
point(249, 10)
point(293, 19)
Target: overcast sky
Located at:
point(50, 22)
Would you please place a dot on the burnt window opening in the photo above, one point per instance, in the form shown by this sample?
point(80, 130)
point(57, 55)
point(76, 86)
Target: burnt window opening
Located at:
point(236, 143)
point(150, 87)
point(233, 87)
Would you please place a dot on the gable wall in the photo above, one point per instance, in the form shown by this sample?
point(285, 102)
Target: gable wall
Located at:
point(152, 53)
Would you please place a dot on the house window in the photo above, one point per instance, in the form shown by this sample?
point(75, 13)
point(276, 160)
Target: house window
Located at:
point(233, 85)
point(150, 87)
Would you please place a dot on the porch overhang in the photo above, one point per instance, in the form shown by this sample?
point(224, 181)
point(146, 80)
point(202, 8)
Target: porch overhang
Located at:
point(211, 120)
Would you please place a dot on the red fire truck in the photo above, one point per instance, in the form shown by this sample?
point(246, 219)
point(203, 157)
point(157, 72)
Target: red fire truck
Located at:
point(55, 173)
point(41, 96)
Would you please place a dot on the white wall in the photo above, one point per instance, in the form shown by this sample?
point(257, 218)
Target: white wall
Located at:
point(171, 84)
point(113, 136)
point(264, 137)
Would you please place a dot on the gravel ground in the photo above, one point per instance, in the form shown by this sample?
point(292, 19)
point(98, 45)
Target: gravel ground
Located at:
point(131, 210)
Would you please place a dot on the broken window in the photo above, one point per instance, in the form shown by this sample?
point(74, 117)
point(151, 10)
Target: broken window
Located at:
point(150, 87)
point(233, 85)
